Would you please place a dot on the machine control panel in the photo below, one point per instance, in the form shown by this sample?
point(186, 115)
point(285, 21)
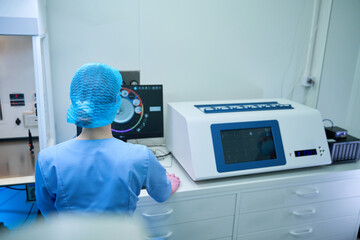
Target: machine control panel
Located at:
point(242, 107)
point(17, 99)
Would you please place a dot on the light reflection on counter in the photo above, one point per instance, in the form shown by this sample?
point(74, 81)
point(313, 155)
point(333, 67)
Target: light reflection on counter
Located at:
point(16, 160)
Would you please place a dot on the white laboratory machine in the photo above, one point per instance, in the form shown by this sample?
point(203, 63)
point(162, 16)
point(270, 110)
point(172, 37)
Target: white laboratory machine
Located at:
point(230, 138)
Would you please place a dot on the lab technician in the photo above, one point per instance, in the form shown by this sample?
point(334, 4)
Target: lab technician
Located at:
point(95, 172)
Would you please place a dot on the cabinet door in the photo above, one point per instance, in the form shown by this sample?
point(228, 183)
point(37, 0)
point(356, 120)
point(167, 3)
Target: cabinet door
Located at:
point(199, 230)
point(276, 218)
point(345, 227)
point(297, 195)
point(187, 211)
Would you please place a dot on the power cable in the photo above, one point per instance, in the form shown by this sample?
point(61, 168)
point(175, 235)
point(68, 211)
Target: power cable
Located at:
point(28, 215)
point(18, 189)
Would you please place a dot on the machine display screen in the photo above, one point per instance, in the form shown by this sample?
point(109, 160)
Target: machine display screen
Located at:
point(247, 145)
point(307, 152)
point(141, 112)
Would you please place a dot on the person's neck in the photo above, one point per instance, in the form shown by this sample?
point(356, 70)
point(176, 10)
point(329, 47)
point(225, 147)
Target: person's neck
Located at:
point(95, 133)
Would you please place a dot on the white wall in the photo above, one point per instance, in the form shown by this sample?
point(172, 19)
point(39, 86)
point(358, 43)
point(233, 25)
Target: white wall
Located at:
point(223, 49)
point(208, 49)
point(88, 31)
point(353, 110)
point(339, 98)
point(199, 50)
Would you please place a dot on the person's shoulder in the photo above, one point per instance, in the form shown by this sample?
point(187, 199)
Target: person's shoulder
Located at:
point(49, 152)
point(136, 150)
point(57, 146)
point(130, 146)
point(139, 148)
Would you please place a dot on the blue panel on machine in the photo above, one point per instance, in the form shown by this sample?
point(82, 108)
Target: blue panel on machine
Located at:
point(242, 107)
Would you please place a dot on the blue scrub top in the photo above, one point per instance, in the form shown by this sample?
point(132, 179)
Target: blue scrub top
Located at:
point(102, 175)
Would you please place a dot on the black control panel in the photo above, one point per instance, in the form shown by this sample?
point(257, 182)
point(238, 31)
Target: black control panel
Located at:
point(17, 99)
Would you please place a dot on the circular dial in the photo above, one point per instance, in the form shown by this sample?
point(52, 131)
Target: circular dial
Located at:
point(130, 113)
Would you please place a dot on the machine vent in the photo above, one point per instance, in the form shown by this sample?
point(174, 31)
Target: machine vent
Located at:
point(345, 151)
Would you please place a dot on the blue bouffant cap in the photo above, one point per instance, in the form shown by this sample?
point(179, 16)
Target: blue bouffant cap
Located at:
point(95, 95)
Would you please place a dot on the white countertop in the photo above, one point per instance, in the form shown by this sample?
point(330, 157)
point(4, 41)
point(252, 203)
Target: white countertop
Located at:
point(187, 185)
point(17, 163)
point(262, 180)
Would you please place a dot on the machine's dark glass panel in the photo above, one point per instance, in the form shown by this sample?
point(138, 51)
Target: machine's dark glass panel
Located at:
point(307, 152)
point(247, 145)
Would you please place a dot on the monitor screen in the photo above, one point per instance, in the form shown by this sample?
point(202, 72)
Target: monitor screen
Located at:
point(246, 145)
point(140, 114)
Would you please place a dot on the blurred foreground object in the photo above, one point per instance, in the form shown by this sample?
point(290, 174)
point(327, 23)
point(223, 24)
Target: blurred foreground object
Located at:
point(82, 227)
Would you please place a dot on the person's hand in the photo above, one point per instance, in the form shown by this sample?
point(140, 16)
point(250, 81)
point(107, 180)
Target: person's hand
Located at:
point(175, 182)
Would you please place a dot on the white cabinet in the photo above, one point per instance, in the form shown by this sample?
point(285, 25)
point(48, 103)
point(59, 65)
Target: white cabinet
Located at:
point(299, 194)
point(200, 230)
point(297, 215)
point(340, 229)
point(315, 211)
point(206, 217)
point(316, 203)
